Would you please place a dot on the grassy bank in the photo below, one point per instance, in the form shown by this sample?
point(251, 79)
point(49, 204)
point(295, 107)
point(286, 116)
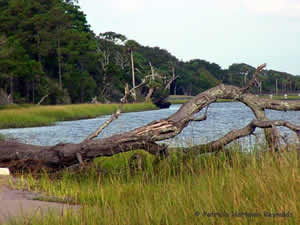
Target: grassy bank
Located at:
point(281, 97)
point(181, 99)
point(214, 189)
point(30, 116)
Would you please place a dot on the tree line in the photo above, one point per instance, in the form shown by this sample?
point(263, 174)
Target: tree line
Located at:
point(47, 48)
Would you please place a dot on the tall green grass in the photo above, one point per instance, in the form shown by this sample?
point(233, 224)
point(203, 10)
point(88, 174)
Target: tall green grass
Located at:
point(30, 116)
point(193, 189)
point(181, 99)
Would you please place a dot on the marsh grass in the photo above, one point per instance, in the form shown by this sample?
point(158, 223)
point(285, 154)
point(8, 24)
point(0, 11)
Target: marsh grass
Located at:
point(182, 101)
point(182, 189)
point(178, 99)
point(16, 116)
point(289, 97)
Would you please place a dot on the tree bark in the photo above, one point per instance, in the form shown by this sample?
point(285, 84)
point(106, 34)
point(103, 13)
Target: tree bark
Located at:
point(19, 156)
point(133, 75)
point(150, 93)
point(219, 144)
point(33, 92)
point(59, 62)
point(43, 99)
point(11, 84)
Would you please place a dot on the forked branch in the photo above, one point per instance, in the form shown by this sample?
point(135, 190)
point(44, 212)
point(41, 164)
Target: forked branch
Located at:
point(254, 78)
point(243, 132)
point(168, 86)
point(202, 118)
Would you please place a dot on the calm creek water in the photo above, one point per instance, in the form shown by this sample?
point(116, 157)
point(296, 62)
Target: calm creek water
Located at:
point(222, 117)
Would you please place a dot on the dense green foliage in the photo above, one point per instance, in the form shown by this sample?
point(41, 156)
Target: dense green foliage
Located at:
point(239, 74)
point(243, 188)
point(43, 42)
point(48, 48)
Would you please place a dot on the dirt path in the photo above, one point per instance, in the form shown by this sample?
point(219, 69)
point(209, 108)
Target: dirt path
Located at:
point(16, 203)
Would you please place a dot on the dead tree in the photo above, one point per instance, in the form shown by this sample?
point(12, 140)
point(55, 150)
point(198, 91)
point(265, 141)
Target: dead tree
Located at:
point(152, 78)
point(159, 83)
point(23, 156)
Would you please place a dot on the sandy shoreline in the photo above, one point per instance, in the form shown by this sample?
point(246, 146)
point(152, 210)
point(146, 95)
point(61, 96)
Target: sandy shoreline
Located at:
point(18, 203)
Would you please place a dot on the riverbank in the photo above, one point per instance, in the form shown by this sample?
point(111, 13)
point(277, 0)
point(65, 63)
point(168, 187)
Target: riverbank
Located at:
point(233, 188)
point(33, 116)
point(181, 99)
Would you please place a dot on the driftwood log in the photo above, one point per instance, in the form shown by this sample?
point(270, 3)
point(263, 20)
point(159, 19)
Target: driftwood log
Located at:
point(18, 156)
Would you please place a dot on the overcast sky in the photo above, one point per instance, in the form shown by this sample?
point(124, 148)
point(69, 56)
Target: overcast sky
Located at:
point(220, 31)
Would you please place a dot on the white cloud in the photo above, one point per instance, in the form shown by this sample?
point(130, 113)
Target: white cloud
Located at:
point(127, 6)
point(279, 7)
point(276, 7)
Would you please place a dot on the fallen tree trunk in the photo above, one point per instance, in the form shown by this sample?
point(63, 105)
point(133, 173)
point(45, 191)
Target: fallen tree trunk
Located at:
point(18, 156)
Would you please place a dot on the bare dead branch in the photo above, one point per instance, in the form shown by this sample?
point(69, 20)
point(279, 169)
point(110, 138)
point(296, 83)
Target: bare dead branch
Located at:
point(202, 118)
point(150, 93)
point(104, 125)
point(113, 117)
point(279, 105)
point(243, 132)
point(255, 77)
point(258, 106)
point(43, 99)
point(152, 70)
point(116, 115)
point(170, 82)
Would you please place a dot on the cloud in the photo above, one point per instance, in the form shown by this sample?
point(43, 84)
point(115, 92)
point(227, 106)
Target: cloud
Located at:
point(136, 6)
point(290, 8)
point(127, 6)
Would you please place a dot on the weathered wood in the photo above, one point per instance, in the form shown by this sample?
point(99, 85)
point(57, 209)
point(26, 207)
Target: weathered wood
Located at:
point(43, 99)
point(4, 100)
point(22, 156)
point(149, 95)
point(219, 144)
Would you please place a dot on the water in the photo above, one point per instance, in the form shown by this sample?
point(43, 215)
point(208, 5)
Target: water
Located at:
point(222, 117)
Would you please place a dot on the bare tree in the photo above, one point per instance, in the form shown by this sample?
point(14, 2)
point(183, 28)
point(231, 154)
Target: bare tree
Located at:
point(132, 45)
point(22, 156)
point(151, 88)
point(155, 76)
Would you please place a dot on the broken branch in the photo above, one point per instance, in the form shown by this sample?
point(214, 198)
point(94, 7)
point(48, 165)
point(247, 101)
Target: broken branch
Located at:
point(254, 79)
point(243, 132)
